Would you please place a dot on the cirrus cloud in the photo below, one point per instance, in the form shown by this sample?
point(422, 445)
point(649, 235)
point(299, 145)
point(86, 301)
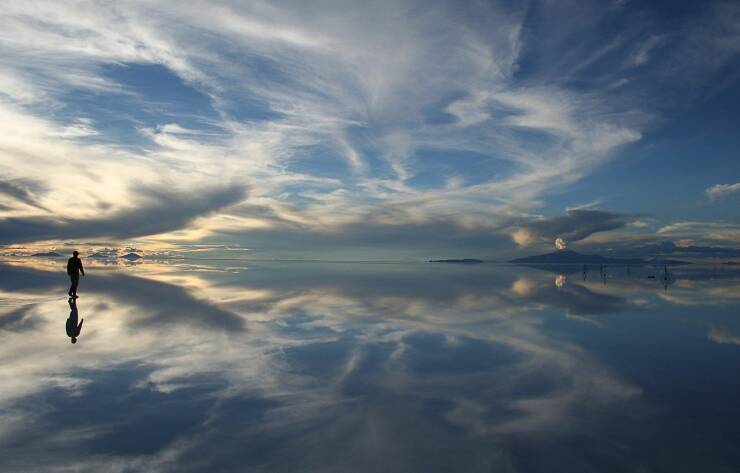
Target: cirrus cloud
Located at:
point(721, 191)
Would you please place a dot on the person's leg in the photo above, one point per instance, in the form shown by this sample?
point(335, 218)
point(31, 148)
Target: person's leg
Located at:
point(72, 285)
point(75, 282)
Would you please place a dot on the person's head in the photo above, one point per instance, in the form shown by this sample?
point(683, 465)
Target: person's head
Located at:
point(75, 253)
point(74, 339)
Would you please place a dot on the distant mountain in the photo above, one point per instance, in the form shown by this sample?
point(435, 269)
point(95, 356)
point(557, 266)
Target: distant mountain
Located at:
point(49, 254)
point(458, 261)
point(666, 262)
point(693, 251)
point(102, 255)
point(572, 257)
point(131, 256)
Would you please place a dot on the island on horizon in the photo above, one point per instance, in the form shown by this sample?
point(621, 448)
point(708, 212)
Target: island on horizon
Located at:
point(48, 254)
point(458, 261)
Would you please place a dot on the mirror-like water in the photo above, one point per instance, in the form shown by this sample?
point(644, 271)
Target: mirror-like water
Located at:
point(232, 366)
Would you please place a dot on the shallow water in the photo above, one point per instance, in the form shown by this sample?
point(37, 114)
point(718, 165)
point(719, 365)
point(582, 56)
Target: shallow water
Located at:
point(234, 366)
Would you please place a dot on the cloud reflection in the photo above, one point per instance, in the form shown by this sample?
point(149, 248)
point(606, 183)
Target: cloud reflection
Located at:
point(375, 364)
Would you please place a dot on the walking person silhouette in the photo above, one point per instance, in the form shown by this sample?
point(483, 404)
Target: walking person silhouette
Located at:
point(74, 268)
point(72, 327)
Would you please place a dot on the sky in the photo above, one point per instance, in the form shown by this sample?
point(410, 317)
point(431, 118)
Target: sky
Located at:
point(369, 130)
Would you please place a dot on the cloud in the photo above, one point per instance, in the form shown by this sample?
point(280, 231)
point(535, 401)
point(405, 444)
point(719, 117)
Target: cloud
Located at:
point(22, 190)
point(642, 55)
point(575, 225)
point(681, 240)
point(721, 336)
point(560, 244)
point(159, 211)
point(339, 111)
point(709, 232)
point(328, 114)
point(722, 191)
point(372, 239)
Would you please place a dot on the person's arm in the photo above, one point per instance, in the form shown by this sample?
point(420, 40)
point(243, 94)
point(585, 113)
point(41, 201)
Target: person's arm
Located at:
point(79, 327)
point(82, 270)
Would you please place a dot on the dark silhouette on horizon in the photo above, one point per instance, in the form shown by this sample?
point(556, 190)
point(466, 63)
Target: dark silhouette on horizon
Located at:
point(72, 327)
point(569, 257)
point(459, 261)
point(74, 268)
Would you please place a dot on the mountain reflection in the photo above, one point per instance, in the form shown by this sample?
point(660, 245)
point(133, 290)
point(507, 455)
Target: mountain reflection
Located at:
point(351, 367)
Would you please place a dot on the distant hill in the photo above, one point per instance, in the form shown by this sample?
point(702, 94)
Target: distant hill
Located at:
point(49, 254)
point(670, 248)
point(572, 257)
point(666, 262)
point(457, 261)
point(131, 256)
point(102, 255)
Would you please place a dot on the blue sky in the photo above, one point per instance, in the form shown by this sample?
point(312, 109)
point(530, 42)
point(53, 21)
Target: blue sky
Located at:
point(370, 129)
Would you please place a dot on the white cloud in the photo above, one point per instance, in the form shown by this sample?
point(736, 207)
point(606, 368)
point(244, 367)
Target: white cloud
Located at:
point(638, 224)
point(642, 55)
point(347, 95)
point(714, 232)
point(721, 191)
point(718, 335)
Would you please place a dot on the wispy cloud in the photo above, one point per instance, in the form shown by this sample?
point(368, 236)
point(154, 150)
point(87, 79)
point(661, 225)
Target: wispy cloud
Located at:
point(722, 232)
point(158, 211)
point(22, 190)
point(721, 191)
point(642, 55)
point(721, 336)
point(327, 114)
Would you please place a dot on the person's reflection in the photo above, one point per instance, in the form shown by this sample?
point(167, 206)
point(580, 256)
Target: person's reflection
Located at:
point(73, 329)
point(666, 277)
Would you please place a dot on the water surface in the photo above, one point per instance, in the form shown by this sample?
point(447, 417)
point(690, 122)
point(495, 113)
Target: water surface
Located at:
point(234, 366)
